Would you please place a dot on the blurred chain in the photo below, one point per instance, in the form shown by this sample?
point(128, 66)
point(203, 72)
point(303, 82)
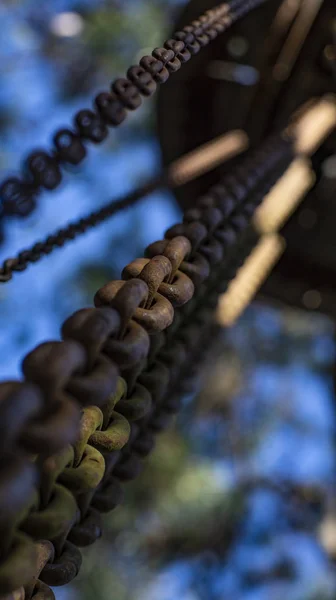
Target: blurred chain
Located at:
point(89, 407)
point(67, 234)
point(185, 169)
point(43, 170)
point(63, 236)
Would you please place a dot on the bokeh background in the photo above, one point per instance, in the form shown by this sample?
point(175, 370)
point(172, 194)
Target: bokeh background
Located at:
point(237, 500)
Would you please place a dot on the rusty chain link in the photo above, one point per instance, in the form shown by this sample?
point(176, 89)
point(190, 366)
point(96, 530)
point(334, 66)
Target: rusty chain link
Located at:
point(43, 170)
point(88, 410)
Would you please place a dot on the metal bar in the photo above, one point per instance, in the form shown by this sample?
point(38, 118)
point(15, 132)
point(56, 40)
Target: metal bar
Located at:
point(207, 157)
point(297, 37)
point(284, 198)
point(314, 125)
point(250, 278)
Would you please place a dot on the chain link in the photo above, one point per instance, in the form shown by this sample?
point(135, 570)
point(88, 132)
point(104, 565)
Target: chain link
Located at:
point(88, 410)
point(43, 170)
point(69, 233)
point(63, 236)
point(87, 413)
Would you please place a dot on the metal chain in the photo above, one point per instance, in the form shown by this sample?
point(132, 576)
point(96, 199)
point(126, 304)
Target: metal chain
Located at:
point(90, 405)
point(61, 237)
point(65, 235)
point(43, 170)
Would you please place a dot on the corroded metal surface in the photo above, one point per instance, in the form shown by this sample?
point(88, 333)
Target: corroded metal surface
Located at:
point(88, 410)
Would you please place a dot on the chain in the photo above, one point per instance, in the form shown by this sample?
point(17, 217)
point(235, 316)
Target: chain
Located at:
point(61, 237)
point(88, 410)
point(43, 170)
point(86, 415)
point(185, 169)
point(73, 230)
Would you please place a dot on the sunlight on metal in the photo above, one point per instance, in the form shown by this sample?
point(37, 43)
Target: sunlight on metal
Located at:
point(67, 24)
point(297, 37)
point(285, 15)
point(17, 595)
point(249, 279)
point(207, 157)
point(327, 534)
point(314, 125)
point(284, 198)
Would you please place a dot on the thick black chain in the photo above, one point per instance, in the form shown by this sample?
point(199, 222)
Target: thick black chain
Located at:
point(42, 170)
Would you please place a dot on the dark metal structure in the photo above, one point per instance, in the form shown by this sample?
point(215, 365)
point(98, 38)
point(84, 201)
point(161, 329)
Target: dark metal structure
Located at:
point(255, 77)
